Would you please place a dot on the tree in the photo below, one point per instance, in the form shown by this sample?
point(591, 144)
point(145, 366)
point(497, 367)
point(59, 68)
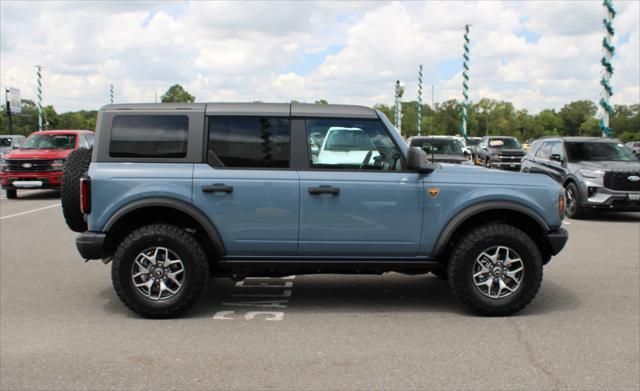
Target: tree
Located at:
point(321, 102)
point(574, 114)
point(177, 94)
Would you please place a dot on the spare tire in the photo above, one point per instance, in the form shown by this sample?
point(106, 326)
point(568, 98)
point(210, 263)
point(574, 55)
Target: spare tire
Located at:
point(75, 167)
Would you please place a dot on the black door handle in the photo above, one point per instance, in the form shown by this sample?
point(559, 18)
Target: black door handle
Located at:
point(324, 190)
point(217, 187)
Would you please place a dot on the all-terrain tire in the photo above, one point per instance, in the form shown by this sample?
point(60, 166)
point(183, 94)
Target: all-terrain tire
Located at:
point(574, 208)
point(189, 251)
point(11, 194)
point(75, 167)
point(462, 262)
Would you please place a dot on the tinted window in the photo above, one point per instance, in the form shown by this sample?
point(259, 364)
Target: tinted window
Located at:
point(253, 142)
point(153, 136)
point(351, 144)
point(504, 142)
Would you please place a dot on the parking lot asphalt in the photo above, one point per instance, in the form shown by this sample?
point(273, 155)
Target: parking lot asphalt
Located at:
point(62, 326)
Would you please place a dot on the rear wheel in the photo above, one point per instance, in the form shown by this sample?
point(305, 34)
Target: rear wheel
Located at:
point(11, 193)
point(495, 270)
point(574, 208)
point(159, 271)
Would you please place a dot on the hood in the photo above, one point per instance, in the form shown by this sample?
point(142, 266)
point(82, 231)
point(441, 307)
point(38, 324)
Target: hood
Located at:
point(469, 175)
point(606, 165)
point(38, 154)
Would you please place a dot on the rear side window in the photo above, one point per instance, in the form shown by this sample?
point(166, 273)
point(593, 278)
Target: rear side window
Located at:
point(149, 136)
point(250, 142)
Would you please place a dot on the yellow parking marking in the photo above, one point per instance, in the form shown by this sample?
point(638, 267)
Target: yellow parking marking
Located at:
point(29, 211)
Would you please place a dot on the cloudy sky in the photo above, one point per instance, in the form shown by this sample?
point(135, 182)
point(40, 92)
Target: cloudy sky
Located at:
point(537, 54)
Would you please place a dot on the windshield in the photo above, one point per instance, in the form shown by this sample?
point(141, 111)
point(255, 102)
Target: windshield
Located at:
point(597, 151)
point(438, 146)
point(504, 143)
point(50, 141)
point(5, 141)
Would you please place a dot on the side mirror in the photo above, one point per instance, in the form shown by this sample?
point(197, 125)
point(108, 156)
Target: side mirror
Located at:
point(556, 157)
point(467, 152)
point(417, 160)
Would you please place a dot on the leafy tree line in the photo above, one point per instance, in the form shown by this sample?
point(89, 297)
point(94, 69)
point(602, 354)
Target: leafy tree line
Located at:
point(485, 117)
point(491, 117)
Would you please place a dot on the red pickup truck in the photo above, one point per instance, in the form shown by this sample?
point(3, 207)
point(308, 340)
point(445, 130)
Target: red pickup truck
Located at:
point(38, 163)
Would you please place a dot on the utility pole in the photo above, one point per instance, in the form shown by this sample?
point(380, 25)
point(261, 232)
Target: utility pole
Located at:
point(399, 91)
point(8, 104)
point(39, 96)
point(465, 83)
point(433, 110)
point(419, 128)
point(607, 69)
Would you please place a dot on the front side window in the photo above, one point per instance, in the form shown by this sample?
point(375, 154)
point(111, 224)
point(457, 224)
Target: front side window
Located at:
point(50, 141)
point(149, 136)
point(357, 144)
point(545, 151)
point(251, 142)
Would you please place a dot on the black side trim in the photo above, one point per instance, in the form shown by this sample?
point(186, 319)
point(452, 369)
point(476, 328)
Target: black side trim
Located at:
point(181, 206)
point(557, 240)
point(329, 265)
point(458, 219)
point(91, 245)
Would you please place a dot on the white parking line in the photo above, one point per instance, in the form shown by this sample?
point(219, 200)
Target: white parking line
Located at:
point(28, 211)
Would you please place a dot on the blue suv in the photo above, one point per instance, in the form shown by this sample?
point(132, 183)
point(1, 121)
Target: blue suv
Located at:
point(172, 194)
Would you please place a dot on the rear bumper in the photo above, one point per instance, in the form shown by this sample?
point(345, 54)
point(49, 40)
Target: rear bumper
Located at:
point(90, 245)
point(48, 179)
point(557, 240)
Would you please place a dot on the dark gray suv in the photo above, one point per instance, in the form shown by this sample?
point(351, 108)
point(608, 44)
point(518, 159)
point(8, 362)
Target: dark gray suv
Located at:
point(597, 173)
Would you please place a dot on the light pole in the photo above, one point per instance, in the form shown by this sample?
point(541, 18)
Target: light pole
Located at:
point(39, 96)
point(111, 93)
point(607, 69)
point(419, 128)
point(465, 82)
point(399, 91)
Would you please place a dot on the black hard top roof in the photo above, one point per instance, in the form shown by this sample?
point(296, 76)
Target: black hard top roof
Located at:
point(256, 108)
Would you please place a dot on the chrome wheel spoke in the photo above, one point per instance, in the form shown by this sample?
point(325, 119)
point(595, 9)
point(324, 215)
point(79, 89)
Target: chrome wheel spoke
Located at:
point(157, 273)
point(498, 272)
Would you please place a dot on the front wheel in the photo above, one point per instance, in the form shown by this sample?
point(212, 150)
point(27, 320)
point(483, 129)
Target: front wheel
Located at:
point(159, 271)
point(495, 270)
point(11, 193)
point(574, 208)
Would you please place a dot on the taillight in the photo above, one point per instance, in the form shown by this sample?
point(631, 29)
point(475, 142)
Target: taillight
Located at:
point(85, 195)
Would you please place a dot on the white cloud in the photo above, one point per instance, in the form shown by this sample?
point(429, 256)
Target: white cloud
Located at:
point(342, 52)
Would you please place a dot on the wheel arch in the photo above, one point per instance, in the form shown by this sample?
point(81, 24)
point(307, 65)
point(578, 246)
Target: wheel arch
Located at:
point(153, 210)
point(488, 212)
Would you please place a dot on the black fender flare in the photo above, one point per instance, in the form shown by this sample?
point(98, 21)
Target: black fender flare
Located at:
point(178, 205)
point(472, 210)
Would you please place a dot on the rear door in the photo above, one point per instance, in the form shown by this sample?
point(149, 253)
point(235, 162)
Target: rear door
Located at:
point(247, 187)
point(355, 199)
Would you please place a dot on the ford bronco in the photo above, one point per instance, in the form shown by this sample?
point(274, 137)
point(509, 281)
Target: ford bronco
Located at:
point(172, 194)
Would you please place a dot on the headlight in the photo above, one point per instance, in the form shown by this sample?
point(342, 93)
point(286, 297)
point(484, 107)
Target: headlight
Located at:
point(57, 164)
point(591, 173)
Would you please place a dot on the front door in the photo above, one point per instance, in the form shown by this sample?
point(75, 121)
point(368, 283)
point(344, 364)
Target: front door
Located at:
point(355, 200)
point(247, 187)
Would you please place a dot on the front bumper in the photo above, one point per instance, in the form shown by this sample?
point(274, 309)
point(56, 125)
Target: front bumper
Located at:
point(596, 196)
point(90, 245)
point(48, 180)
point(557, 240)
